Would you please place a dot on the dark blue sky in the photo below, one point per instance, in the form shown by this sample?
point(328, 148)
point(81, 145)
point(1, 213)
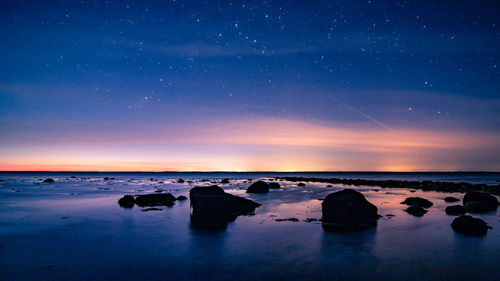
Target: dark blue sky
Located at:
point(83, 75)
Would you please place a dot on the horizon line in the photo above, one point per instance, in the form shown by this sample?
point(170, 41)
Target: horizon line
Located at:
point(198, 171)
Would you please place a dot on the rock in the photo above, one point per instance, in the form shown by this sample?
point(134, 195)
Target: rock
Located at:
point(49, 180)
point(416, 210)
point(311, 220)
point(455, 210)
point(289, 219)
point(106, 178)
point(274, 185)
point(149, 200)
point(469, 225)
point(258, 187)
point(301, 184)
point(182, 197)
point(347, 210)
point(412, 190)
point(417, 201)
point(180, 181)
point(73, 177)
point(126, 201)
point(212, 208)
point(224, 181)
point(484, 202)
point(451, 199)
point(329, 185)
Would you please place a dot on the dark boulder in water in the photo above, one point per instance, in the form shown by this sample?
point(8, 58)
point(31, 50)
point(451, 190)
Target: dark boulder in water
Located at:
point(347, 210)
point(451, 199)
point(483, 202)
point(180, 181)
point(182, 197)
point(126, 201)
point(274, 185)
point(226, 180)
point(149, 200)
point(416, 210)
point(417, 201)
point(258, 187)
point(455, 210)
point(212, 208)
point(301, 184)
point(469, 225)
point(49, 180)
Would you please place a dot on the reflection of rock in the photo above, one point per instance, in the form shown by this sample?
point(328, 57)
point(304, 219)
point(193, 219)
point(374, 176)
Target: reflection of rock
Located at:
point(163, 199)
point(212, 208)
point(451, 199)
point(126, 201)
point(258, 187)
point(274, 185)
point(455, 210)
point(347, 210)
point(48, 180)
point(479, 202)
point(416, 211)
point(469, 225)
point(151, 209)
point(417, 201)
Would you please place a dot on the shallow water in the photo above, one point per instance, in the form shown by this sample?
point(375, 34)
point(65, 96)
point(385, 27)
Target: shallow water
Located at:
point(74, 229)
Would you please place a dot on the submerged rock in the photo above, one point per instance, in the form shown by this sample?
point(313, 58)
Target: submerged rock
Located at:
point(479, 202)
point(126, 201)
point(417, 211)
point(347, 210)
point(182, 197)
point(451, 199)
point(301, 184)
point(49, 180)
point(148, 200)
point(289, 219)
point(212, 208)
point(469, 225)
point(180, 181)
point(455, 210)
point(226, 180)
point(274, 185)
point(258, 187)
point(417, 201)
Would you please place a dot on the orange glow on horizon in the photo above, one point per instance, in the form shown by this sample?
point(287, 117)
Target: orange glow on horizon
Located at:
point(256, 144)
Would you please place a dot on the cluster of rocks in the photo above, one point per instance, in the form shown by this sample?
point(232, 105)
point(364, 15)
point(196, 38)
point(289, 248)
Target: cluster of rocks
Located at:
point(149, 200)
point(423, 185)
point(262, 187)
point(345, 210)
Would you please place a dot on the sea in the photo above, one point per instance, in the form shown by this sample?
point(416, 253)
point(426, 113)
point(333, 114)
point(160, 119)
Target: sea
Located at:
point(74, 229)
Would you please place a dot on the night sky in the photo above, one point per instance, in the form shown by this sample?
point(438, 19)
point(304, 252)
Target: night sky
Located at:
point(250, 86)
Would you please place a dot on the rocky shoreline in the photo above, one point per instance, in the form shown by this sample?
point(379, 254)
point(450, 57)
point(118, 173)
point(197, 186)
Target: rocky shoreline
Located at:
point(462, 187)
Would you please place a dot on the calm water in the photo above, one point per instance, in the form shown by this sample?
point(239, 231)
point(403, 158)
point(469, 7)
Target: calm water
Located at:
point(74, 229)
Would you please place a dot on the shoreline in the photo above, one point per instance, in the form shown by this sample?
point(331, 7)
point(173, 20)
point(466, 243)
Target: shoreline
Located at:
point(441, 186)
